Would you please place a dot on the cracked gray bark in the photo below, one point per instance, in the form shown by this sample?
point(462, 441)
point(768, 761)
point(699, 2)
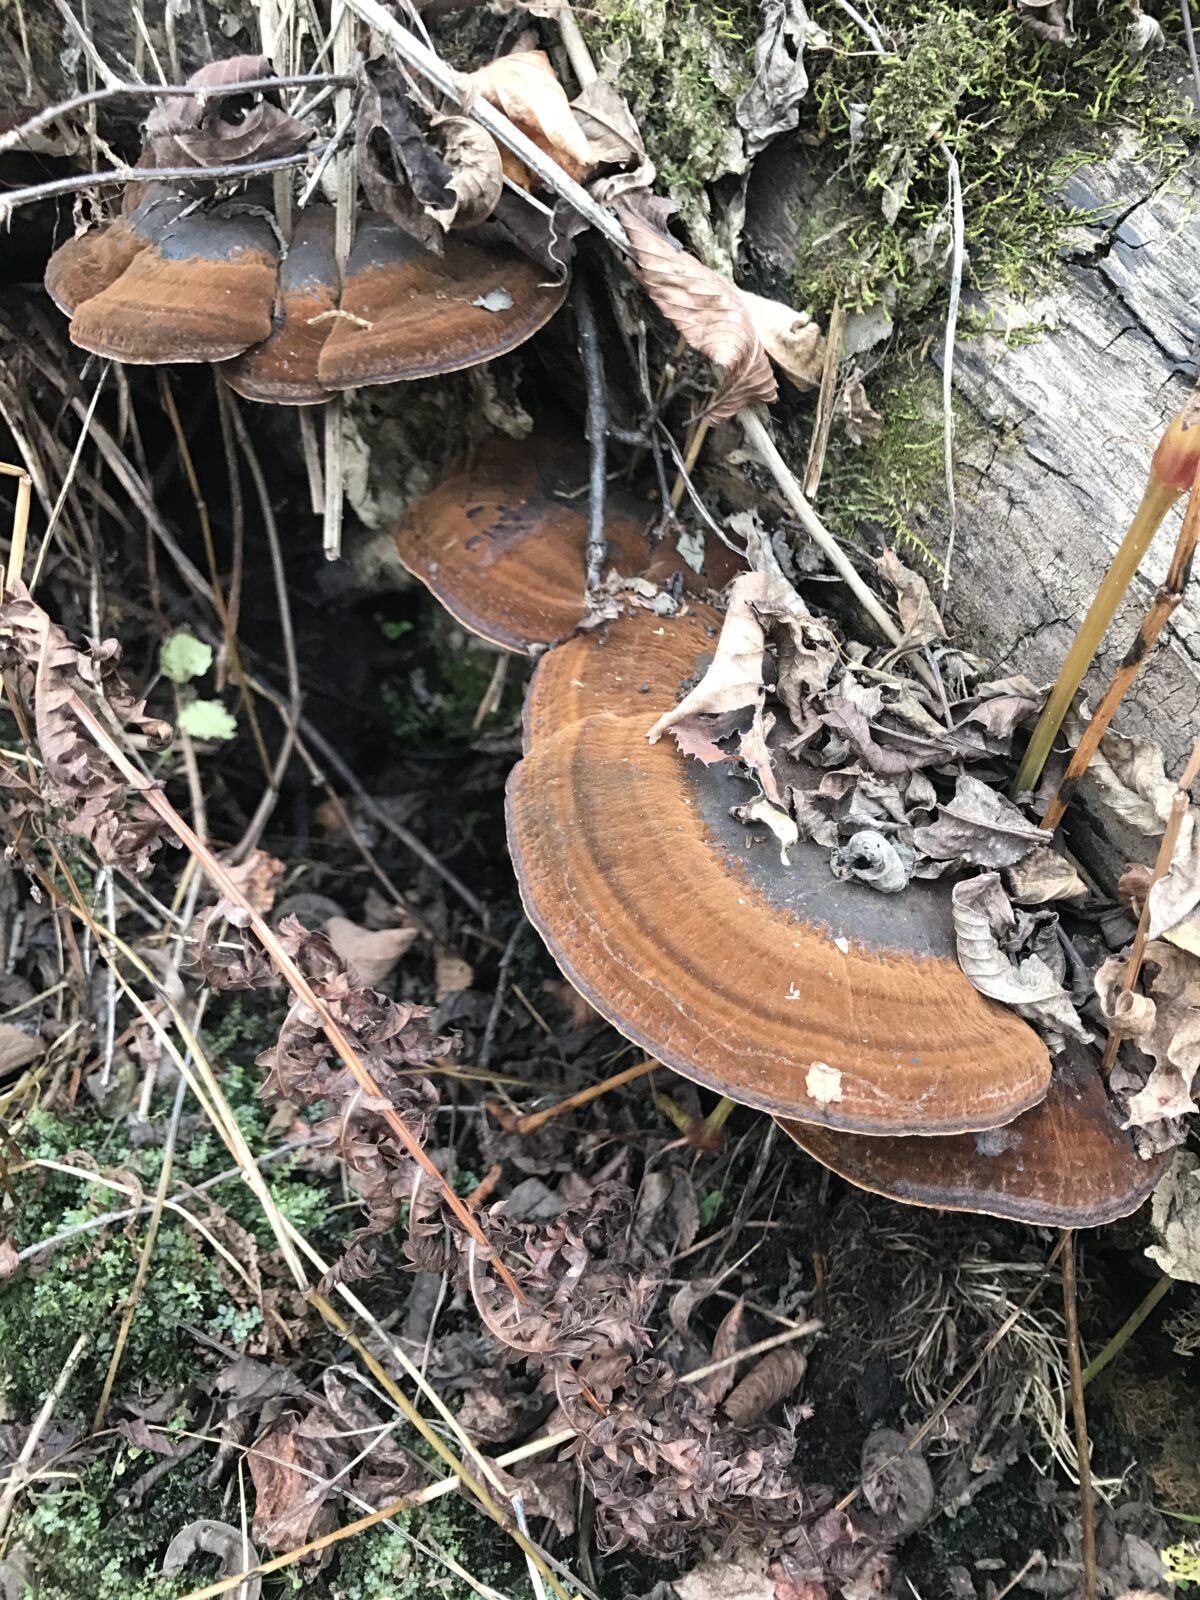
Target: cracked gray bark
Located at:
point(1060, 409)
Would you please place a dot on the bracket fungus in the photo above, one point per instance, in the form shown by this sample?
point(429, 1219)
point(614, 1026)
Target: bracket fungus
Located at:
point(779, 986)
point(407, 313)
point(1066, 1163)
point(201, 289)
point(283, 370)
point(86, 265)
point(500, 545)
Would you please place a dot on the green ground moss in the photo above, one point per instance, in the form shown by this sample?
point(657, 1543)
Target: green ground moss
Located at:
point(83, 1285)
point(682, 67)
point(1018, 114)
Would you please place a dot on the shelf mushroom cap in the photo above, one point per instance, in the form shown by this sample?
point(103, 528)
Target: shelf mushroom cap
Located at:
point(496, 544)
point(283, 370)
point(410, 314)
point(1066, 1163)
point(202, 290)
point(84, 266)
point(779, 986)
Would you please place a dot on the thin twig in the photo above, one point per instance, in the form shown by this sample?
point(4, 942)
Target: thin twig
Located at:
point(443, 77)
point(147, 1251)
point(1087, 1505)
point(596, 429)
point(345, 187)
point(123, 173)
point(152, 91)
point(1127, 1330)
point(538, 1119)
point(1186, 10)
point(20, 523)
point(765, 448)
point(1166, 599)
point(17, 1477)
point(956, 273)
point(823, 421)
point(506, 961)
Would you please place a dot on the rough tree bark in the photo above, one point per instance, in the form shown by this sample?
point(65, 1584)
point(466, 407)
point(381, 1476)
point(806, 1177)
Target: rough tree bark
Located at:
point(1063, 404)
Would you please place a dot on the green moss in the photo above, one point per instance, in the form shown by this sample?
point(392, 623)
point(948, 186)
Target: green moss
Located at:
point(1019, 115)
point(83, 1284)
point(1182, 1562)
point(888, 483)
point(386, 1563)
point(436, 701)
point(682, 67)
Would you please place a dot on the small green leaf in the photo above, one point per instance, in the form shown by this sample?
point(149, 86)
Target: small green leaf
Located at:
point(708, 1205)
point(207, 719)
point(184, 657)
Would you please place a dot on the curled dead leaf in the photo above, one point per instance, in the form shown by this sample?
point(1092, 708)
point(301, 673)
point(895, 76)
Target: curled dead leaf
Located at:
point(709, 311)
point(523, 85)
point(17, 1048)
point(982, 916)
point(775, 1377)
point(791, 339)
point(403, 176)
point(228, 1544)
point(220, 123)
point(897, 1483)
point(476, 171)
point(371, 954)
point(727, 1341)
point(735, 678)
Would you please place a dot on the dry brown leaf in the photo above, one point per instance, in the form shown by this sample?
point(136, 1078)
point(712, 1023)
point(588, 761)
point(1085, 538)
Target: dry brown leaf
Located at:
point(403, 176)
point(1175, 1217)
point(17, 1049)
point(1175, 898)
point(614, 139)
point(523, 85)
point(370, 954)
point(792, 339)
point(728, 1339)
point(1129, 778)
point(919, 617)
point(982, 916)
point(859, 418)
point(258, 878)
point(1172, 1038)
point(476, 171)
point(897, 1483)
point(979, 827)
point(1044, 875)
point(288, 1498)
point(451, 974)
point(773, 1379)
point(780, 824)
point(735, 678)
point(228, 1544)
point(710, 312)
point(214, 128)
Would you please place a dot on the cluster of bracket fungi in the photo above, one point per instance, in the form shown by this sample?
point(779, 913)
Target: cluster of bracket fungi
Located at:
point(181, 276)
point(843, 1014)
point(768, 983)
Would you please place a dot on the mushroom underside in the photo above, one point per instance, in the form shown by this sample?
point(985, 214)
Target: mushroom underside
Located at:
point(1065, 1163)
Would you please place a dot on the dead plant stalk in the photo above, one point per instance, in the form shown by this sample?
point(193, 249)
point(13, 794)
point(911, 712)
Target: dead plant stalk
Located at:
point(291, 973)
